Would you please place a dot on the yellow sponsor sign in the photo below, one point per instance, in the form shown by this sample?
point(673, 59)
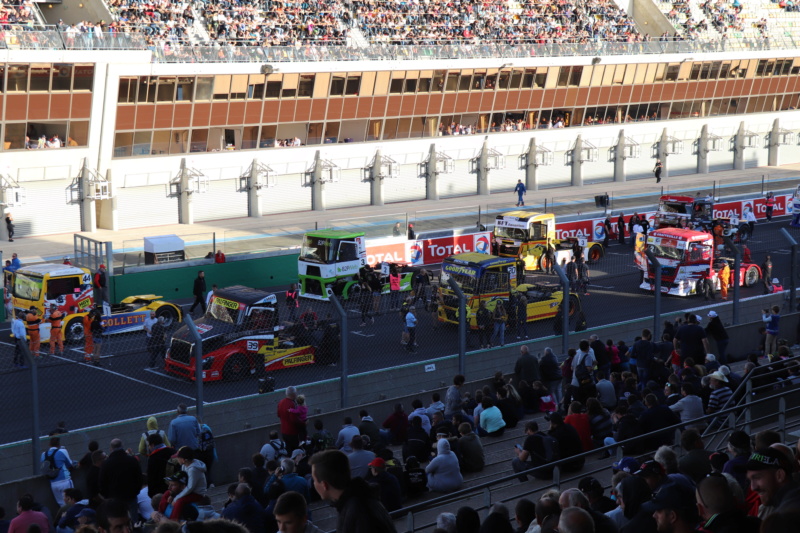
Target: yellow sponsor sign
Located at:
point(227, 303)
point(83, 304)
point(298, 360)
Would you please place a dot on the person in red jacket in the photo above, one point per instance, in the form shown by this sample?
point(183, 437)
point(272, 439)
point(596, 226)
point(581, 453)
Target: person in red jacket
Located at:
point(580, 421)
point(290, 430)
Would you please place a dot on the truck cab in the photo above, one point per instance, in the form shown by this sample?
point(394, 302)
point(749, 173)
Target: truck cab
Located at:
point(493, 279)
point(675, 211)
point(685, 257)
point(241, 335)
point(524, 235)
point(329, 262)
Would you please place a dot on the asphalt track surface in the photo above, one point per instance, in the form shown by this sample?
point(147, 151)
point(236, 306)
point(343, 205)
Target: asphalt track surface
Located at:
point(82, 395)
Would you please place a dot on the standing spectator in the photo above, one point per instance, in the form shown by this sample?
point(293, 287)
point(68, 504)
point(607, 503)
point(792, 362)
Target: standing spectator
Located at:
point(551, 375)
point(421, 283)
point(608, 227)
point(643, 351)
point(521, 192)
point(121, 476)
point(291, 514)
point(443, 471)
point(300, 411)
point(410, 233)
point(96, 329)
point(10, 226)
point(290, 431)
point(359, 509)
point(157, 342)
point(657, 170)
point(411, 326)
point(206, 449)
point(394, 288)
point(500, 317)
point(750, 218)
point(569, 442)
point(397, 230)
point(766, 274)
point(391, 495)
point(20, 334)
point(724, 280)
point(453, 402)
point(771, 320)
point(101, 289)
point(483, 318)
point(527, 366)
point(184, 430)
point(470, 450)
point(59, 459)
point(15, 265)
point(152, 429)
point(157, 461)
point(621, 228)
point(27, 517)
point(690, 340)
point(199, 292)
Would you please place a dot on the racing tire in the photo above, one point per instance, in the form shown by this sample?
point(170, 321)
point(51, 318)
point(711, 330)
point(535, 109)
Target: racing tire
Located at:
point(574, 305)
point(354, 293)
point(596, 253)
point(236, 368)
point(169, 314)
point(751, 276)
point(73, 331)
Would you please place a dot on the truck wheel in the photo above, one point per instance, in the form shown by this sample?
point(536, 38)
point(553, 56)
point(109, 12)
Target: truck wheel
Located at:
point(751, 276)
point(354, 293)
point(236, 368)
point(574, 305)
point(595, 254)
point(169, 314)
point(73, 331)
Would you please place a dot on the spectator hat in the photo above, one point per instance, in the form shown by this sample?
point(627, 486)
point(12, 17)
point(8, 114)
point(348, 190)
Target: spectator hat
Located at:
point(590, 484)
point(699, 318)
point(178, 477)
point(671, 496)
point(739, 439)
point(719, 376)
point(711, 358)
point(712, 314)
point(725, 369)
point(650, 468)
point(718, 460)
point(626, 464)
point(766, 459)
point(776, 281)
point(101, 266)
point(297, 452)
point(87, 512)
point(377, 463)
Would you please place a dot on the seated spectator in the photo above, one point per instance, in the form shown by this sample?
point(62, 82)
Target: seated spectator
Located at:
point(634, 493)
point(593, 490)
point(538, 450)
point(291, 511)
point(508, 408)
point(491, 418)
point(418, 444)
point(689, 408)
point(256, 491)
point(157, 460)
point(453, 402)
point(195, 487)
point(569, 443)
point(580, 421)
point(359, 458)
point(246, 510)
point(287, 479)
point(576, 499)
point(391, 494)
point(421, 413)
point(75, 503)
point(654, 418)
point(176, 485)
point(395, 427)
point(470, 450)
point(415, 482)
point(739, 450)
point(436, 405)
point(625, 426)
point(321, 439)
point(720, 392)
point(275, 449)
point(695, 464)
point(443, 471)
point(369, 428)
point(770, 475)
point(260, 473)
point(440, 426)
point(345, 436)
point(599, 422)
point(605, 391)
point(717, 507)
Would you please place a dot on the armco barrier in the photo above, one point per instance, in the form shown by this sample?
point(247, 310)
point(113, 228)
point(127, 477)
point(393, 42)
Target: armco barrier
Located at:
point(251, 417)
point(258, 270)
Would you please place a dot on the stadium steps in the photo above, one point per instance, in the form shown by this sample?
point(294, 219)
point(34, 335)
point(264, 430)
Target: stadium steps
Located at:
point(198, 33)
point(356, 38)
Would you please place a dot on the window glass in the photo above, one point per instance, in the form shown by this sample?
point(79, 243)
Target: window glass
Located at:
point(222, 86)
point(641, 73)
point(267, 137)
point(305, 87)
point(289, 87)
point(147, 89)
point(452, 82)
point(424, 85)
point(527, 78)
point(597, 75)
point(17, 78)
point(199, 140)
point(563, 77)
point(661, 69)
point(160, 143)
point(696, 68)
point(411, 86)
point(465, 82)
point(62, 77)
point(650, 75)
point(203, 88)
point(396, 86)
point(166, 89)
point(353, 85)
point(78, 133)
point(516, 79)
point(122, 144)
point(14, 138)
point(179, 143)
point(575, 76)
point(185, 89)
point(127, 90)
point(608, 75)
point(2, 77)
point(504, 79)
point(619, 74)
point(141, 143)
point(62, 286)
point(374, 130)
point(672, 72)
point(716, 66)
point(705, 71)
point(84, 78)
point(540, 79)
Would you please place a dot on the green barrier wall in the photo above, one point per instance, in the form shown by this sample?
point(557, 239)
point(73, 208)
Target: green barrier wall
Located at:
point(177, 282)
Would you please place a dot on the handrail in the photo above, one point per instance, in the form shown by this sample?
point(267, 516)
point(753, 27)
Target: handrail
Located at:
point(463, 492)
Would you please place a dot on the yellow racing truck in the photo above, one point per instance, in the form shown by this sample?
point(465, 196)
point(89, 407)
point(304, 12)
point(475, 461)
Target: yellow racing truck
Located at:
point(70, 289)
point(524, 235)
point(492, 279)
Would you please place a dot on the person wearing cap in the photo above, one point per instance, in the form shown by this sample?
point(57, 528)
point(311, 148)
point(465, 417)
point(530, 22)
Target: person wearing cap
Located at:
point(653, 473)
point(411, 234)
point(718, 511)
point(86, 516)
point(175, 485)
point(716, 330)
point(246, 510)
point(75, 503)
point(196, 483)
point(770, 476)
point(626, 464)
point(56, 318)
point(739, 450)
point(711, 363)
point(593, 490)
point(674, 509)
point(291, 514)
point(391, 494)
point(32, 323)
point(720, 392)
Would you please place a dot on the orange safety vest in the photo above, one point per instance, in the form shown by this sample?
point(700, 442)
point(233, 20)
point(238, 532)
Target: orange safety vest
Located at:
point(32, 322)
point(55, 319)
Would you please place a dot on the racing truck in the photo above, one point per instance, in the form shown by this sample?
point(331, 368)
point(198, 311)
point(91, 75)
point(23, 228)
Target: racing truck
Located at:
point(330, 261)
point(698, 213)
point(70, 289)
point(241, 336)
point(686, 256)
point(492, 279)
point(524, 235)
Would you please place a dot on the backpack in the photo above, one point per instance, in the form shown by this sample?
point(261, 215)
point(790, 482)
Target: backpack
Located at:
point(49, 468)
point(322, 441)
point(206, 440)
point(280, 451)
point(580, 371)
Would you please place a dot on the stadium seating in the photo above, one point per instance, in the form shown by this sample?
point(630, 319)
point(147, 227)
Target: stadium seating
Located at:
point(15, 12)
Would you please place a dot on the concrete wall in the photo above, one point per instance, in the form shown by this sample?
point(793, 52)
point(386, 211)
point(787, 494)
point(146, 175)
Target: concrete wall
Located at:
point(242, 425)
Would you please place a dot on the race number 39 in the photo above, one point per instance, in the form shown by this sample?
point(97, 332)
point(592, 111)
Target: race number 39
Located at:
point(252, 346)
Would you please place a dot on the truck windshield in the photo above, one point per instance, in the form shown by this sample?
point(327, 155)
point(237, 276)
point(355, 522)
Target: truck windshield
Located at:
point(467, 283)
point(518, 234)
point(675, 207)
point(27, 287)
point(224, 310)
point(318, 249)
point(666, 252)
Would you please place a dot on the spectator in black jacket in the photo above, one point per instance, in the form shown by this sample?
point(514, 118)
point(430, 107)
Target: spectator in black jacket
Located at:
point(569, 442)
point(470, 450)
point(625, 427)
point(716, 331)
point(391, 495)
point(121, 476)
point(527, 366)
point(601, 355)
point(246, 510)
point(158, 456)
point(508, 408)
point(418, 443)
point(654, 418)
